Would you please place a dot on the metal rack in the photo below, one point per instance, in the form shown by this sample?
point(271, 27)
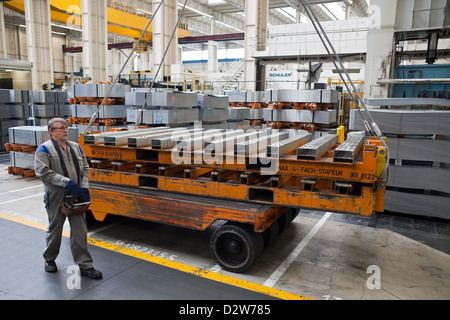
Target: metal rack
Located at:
point(261, 167)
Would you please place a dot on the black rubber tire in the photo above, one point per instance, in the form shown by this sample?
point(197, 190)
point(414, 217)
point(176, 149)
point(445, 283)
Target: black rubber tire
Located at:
point(294, 213)
point(236, 246)
point(270, 234)
point(284, 220)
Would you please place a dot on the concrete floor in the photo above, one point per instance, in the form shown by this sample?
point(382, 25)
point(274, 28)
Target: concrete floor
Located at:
point(320, 255)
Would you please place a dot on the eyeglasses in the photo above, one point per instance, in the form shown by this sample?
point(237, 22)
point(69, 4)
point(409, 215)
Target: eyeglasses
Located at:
point(61, 128)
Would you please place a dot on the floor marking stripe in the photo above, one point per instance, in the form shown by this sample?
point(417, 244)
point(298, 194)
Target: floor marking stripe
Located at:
point(26, 188)
point(276, 275)
point(113, 224)
point(18, 199)
point(174, 265)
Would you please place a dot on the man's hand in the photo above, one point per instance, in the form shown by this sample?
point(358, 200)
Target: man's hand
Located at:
point(74, 189)
point(85, 196)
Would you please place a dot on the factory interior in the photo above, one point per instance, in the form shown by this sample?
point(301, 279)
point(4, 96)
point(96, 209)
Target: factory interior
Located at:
point(235, 153)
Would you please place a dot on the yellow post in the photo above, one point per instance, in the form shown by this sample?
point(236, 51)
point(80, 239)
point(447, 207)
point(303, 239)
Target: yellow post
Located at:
point(341, 133)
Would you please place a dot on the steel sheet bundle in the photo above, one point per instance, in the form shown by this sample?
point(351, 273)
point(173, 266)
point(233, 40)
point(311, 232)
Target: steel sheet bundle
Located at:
point(419, 146)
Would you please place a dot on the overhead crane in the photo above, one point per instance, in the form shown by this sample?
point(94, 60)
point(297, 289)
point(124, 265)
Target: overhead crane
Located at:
point(122, 19)
point(255, 181)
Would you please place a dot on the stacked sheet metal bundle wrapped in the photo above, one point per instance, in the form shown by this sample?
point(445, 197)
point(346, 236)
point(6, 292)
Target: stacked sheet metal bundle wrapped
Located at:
point(134, 100)
point(236, 98)
point(49, 104)
point(255, 100)
point(238, 118)
point(213, 110)
point(23, 141)
point(293, 106)
point(35, 135)
point(238, 112)
point(14, 111)
point(162, 107)
point(419, 145)
point(171, 108)
point(87, 98)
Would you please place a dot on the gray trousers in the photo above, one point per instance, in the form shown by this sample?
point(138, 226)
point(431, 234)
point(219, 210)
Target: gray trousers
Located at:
point(78, 231)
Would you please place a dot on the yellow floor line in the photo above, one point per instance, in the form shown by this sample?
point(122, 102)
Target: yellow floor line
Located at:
point(172, 264)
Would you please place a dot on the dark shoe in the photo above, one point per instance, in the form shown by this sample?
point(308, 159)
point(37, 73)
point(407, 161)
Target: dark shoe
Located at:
point(50, 266)
point(91, 273)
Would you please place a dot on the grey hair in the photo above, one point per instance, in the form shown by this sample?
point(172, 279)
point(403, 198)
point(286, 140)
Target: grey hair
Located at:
point(51, 122)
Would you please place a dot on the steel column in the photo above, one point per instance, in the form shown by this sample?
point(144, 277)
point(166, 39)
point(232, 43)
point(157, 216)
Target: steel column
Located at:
point(39, 42)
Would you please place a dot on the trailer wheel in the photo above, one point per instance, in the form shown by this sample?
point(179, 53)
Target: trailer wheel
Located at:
point(284, 220)
point(294, 213)
point(270, 234)
point(236, 246)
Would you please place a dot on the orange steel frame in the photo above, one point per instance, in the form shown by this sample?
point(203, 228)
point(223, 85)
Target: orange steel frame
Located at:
point(179, 210)
point(148, 169)
point(364, 171)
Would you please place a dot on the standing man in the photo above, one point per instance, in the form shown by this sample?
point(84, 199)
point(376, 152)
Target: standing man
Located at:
point(63, 168)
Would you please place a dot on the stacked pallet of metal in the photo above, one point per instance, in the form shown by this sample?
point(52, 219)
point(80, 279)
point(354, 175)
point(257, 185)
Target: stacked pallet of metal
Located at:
point(238, 111)
point(213, 110)
point(256, 103)
point(23, 142)
point(45, 105)
point(419, 144)
point(163, 107)
point(312, 110)
point(14, 111)
point(86, 100)
point(266, 166)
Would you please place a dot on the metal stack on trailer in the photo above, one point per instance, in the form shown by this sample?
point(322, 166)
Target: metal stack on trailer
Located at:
point(191, 177)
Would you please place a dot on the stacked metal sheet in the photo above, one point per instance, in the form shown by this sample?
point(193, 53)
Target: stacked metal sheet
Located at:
point(14, 110)
point(136, 97)
point(23, 160)
point(255, 96)
point(403, 121)
point(327, 117)
point(213, 110)
point(419, 148)
point(302, 96)
point(162, 108)
point(237, 96)
point(171, 117)
point(100, 90)
point(294, 95)
point(32, 137)
point(89, 96)
point(238, 118)
point(35, 135)
point(174, 99)
point(106, 111)
point(22, 107)
point(49, 104)
point(256, 114)
point(134, 100)
point(210, 101)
